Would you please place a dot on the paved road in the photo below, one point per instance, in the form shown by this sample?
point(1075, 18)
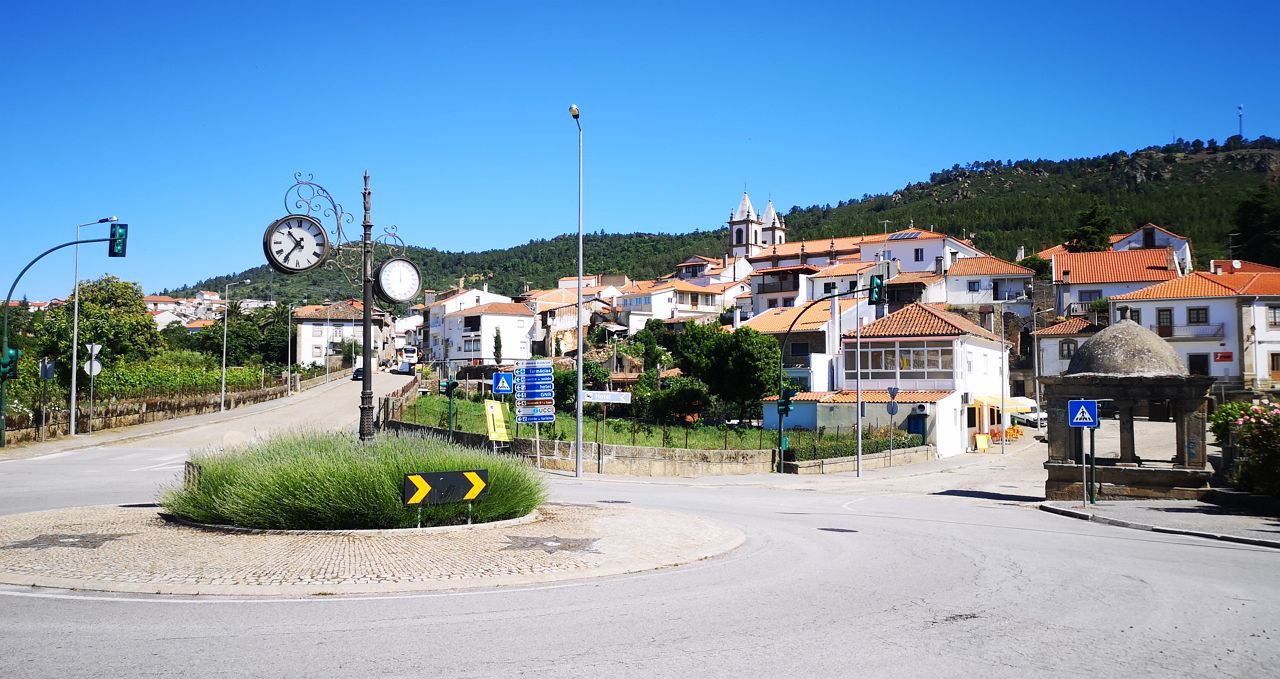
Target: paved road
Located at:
point(942, 569)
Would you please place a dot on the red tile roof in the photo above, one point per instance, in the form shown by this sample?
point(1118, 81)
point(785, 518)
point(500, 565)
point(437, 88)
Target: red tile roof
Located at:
point(1264, 284)
point(1069, 328)
point(776, 321)
point(925, 278)
point(494, 309)
point(1240, 266)
point(1192, 286)
point(922, 320)
point(846, 245)
point(1115, 266)
point(803, 268)
point(844, 269)
point(987, 266)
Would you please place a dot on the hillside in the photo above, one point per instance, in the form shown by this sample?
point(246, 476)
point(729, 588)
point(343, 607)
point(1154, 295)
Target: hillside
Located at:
point(1189, 187)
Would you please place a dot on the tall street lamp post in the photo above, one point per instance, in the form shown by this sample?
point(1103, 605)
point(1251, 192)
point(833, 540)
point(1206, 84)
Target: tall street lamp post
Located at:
point(226, 320)
point(577, 463)
point(75, 324)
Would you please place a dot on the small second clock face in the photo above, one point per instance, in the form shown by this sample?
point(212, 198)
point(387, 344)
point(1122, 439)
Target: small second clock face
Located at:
point(295, 243)
point(399, 280)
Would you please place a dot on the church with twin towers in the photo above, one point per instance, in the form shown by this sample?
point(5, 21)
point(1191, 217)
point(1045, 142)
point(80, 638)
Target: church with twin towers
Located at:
point(750, 233)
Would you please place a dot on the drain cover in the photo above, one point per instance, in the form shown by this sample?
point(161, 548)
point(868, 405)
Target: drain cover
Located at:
point(78, 540)
point(552, 544)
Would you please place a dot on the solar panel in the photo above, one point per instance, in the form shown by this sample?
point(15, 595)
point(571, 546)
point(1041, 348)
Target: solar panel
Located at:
point(904, 235)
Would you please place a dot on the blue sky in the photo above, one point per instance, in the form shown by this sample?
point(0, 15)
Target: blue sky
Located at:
point(188, 120)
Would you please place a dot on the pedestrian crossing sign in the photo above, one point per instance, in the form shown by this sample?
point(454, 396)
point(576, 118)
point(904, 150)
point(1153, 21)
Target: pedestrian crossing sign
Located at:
point(503, 383)
point(1082, 413)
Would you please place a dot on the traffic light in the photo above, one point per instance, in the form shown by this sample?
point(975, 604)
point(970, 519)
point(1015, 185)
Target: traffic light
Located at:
point(9, 363)
point(119, 242)
point(784, 401)
point(876, 291)
point(448, 386)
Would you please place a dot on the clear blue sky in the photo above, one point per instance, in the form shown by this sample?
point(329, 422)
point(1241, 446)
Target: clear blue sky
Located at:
point(188, 120)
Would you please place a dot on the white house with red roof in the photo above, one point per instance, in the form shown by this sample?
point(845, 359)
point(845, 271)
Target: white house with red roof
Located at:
point(668, 300)
point(984, 280)
point(446, 303)
point(1198, 315)
point(1260, 328)
point(1056, 344)
point(1082, 278)
point(470, 333)
point(1145, 237)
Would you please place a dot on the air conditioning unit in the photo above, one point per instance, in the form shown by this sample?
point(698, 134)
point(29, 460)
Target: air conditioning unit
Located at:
point(920, 409)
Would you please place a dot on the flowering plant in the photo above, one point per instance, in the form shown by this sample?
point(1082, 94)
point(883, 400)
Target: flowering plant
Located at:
point(1256, 430)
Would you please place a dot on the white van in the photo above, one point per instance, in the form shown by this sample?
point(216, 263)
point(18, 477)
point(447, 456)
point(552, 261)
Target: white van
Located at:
point(1033, 418)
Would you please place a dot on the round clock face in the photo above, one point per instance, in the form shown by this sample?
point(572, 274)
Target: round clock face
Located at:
point(295, 243)
point(398, 280)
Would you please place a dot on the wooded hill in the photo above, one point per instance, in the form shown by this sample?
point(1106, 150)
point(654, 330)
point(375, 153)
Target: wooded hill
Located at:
point(1191, 188)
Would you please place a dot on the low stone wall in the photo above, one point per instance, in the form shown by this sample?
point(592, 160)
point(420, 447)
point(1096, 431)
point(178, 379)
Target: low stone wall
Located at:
point(616, 459)
point(1127, 483)
point(127, 413)
point(837, 465)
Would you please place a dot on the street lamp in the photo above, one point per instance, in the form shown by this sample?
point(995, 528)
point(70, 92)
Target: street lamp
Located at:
point(75, 324)
point(226, 318)
point(577, 463)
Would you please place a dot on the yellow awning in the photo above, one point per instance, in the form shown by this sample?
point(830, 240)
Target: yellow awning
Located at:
point(1010, 405)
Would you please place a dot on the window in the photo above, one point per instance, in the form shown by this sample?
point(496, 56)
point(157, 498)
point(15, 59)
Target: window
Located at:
point(1273, 317)
point(852, 285)
point(773, 304)
point(1066, 349)
point(318, 331)
point(902, 360)
point(827, 289)
point(1090, 295)
point(1275, 363)
point(738, 238)
point(1135, 315)
point(317, 352)
point(471, 324)
point(919, 255)
point(1198, 315)
point(973, 285)
point(790, 301)
point(799, 348)
point(888, 255)
point(1164, 317)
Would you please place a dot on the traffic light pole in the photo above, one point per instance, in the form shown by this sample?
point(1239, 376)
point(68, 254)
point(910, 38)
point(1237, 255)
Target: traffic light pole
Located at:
point(4, 342)
point(783, 402)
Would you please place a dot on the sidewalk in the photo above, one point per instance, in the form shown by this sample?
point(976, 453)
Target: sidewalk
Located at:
point(1179, 517)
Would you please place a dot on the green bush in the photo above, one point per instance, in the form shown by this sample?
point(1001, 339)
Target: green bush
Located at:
point(1257, 434)
point(1224, 419)
point(332, 481)
point(848, 447)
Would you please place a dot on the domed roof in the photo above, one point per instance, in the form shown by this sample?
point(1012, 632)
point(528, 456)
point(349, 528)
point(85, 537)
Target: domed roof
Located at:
point(1126, 348)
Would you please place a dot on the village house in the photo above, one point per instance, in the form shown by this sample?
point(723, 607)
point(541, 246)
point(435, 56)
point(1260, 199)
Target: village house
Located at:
point(471, 333)
point(1082, 278)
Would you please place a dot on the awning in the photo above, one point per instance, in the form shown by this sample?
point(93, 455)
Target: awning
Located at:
point(1022, 401)
point(1012, 404)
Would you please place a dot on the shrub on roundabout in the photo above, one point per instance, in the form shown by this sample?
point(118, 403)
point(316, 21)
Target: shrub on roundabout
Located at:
point(322, 481)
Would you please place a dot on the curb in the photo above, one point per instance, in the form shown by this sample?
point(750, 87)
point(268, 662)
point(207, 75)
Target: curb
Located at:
point(1095, 518)
point(531, 517)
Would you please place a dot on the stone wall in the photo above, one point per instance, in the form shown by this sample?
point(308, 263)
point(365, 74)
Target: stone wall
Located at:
point(837, 465)
point(615, 459)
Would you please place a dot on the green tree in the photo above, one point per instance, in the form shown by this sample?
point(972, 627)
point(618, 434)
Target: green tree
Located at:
point(680, 399)
point(696, 348)
point(112, 314)
point(647, 345)
point(746, 370)
point(497, 345)
point(1038, 264)
point(1257, 220)
point(1093, 230)
point(244, 342)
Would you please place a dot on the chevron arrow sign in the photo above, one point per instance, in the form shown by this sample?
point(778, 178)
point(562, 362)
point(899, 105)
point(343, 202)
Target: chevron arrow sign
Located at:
point(438, 488)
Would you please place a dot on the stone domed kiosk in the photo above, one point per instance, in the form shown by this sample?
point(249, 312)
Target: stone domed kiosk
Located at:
point(1127, 364)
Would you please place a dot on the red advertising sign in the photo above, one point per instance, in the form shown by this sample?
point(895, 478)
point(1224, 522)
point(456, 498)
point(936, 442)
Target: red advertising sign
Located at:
point(1222, 357)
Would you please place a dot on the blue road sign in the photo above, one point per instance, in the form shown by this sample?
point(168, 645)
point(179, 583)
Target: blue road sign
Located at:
point(892, 408)
point(503, 383)
point(1082, 413)
point(534, 419)
point(536, 379)
point(533, 371)
point(525, 394)
point(893, 393)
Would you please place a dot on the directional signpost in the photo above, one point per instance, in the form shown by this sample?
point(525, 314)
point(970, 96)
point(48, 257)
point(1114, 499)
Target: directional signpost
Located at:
point(535, 392)
point(1084, 414)
point(92, 367)
point(438, 488)
point(892, 409)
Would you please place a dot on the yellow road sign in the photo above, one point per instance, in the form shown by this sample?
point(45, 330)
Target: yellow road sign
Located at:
point(437, 488)
point(495, 421)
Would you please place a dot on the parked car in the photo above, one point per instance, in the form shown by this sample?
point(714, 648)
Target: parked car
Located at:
point(357, 374)
point(1033, 418)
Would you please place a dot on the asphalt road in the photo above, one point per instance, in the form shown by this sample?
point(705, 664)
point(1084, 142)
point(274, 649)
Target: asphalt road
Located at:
point(942, 569)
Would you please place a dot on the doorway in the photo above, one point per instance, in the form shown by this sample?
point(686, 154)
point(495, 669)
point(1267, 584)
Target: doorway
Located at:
point(1198, 364)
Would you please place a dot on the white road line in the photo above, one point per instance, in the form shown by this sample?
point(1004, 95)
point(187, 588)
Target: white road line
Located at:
point(159, 466)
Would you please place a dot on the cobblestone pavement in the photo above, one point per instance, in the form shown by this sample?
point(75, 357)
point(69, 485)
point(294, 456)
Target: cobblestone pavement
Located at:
point(132, 549)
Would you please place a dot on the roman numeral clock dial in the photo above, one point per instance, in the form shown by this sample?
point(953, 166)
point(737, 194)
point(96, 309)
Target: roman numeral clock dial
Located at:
point(295, 243)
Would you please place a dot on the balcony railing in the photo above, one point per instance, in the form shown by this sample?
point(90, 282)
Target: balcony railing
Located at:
point(1202, 331)
point(777, 286)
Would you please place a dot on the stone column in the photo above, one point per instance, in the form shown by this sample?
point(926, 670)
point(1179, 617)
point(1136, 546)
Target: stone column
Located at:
point(1195, 429)
point(1177, 409)
point(1127, 456)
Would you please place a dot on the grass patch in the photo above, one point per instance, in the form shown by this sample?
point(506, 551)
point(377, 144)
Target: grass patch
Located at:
point(315, 481)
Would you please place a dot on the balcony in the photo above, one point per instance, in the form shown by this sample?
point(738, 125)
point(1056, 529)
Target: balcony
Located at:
point(777, 286)
point(1189, 332)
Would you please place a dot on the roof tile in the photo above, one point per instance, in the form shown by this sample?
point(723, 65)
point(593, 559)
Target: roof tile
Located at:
point(1115, 266)
point(921, 320)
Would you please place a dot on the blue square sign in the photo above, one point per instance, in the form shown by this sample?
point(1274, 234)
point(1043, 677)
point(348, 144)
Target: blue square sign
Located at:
point(1082, 413)
point(503, 383)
